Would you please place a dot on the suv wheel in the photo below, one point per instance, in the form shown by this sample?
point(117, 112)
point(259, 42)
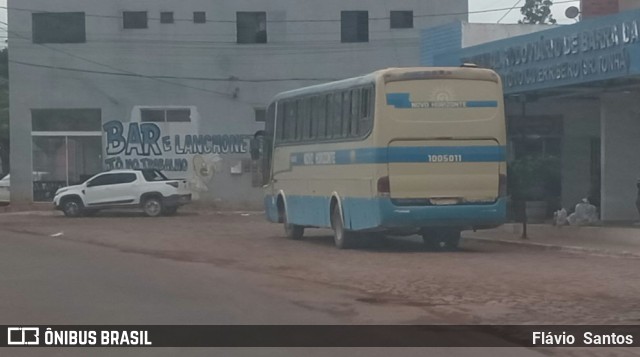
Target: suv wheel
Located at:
point(72, 207)
point(152, 206)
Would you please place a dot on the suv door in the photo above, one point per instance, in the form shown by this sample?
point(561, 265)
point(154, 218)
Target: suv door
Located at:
point(111, 189)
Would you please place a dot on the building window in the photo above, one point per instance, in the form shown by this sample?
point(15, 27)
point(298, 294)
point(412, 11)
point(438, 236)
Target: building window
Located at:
point(178, 115)
point(59, 27)
point(67, 148)
point(66, 120)
point(401, 19)
point(354, 26)
point(135, 19)
point(166, 17)
point(251, 27)
point(199, 17)
point(165, 115)
point(261, 115)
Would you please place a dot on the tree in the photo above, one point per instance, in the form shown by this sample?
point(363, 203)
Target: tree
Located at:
point(4, 110)
point(537, 12)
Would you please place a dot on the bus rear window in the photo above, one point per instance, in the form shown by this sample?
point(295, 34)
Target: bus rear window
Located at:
point(444, 100)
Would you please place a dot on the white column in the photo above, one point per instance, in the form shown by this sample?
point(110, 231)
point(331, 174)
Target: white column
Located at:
point(620, 123)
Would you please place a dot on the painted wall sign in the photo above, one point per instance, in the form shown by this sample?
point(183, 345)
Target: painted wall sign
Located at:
point(136, 145)
point(598, 49)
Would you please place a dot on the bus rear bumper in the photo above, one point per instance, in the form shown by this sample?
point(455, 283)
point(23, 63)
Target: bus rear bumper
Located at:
point(463, 216)
point(365, 214)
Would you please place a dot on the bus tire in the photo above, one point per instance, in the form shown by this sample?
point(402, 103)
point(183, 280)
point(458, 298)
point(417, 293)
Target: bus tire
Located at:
point(292, 231)
point(342, 238)
point(441, 239)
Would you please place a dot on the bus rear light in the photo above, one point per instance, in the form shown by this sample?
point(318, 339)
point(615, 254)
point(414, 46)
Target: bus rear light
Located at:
point(384, 187)
point(502, 185)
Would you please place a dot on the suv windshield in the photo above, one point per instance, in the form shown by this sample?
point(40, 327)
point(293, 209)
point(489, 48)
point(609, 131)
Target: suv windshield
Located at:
point(153, 175)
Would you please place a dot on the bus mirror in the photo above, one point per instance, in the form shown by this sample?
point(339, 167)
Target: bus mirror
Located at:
point(256, 145)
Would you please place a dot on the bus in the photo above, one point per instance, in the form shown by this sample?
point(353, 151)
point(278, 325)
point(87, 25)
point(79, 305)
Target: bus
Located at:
point(401, 150)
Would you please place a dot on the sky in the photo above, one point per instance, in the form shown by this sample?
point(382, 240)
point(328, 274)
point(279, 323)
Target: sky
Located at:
point(558, 10)
point(474, 5)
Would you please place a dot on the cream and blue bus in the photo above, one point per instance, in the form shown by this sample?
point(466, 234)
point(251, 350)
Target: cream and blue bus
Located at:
point(418, 150)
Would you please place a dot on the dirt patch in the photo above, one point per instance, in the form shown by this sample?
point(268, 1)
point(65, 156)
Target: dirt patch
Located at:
point(480, 284)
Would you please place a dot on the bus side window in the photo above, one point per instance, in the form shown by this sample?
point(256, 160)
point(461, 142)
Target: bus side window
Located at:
point(307, 134)
point(280, 122)
point(366, 111)
point(321, 110)
point(290, 122)
point(337, 115)
point(300, 119)
point(313, 123)
point(330, 116)
point(355, 112)
point(346, 114)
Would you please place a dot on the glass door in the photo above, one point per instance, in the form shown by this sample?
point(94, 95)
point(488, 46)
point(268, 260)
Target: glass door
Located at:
point(63, 160)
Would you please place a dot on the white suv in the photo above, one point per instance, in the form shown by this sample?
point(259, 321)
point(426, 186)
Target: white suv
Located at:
point(147, 189)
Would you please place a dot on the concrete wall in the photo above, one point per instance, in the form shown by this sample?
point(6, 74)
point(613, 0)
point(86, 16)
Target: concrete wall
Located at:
point(620, 118)
point(454, 36)
point(201, 63)
point(440, 39)
point(476, 34)
point(593, 8)
point(629, 4)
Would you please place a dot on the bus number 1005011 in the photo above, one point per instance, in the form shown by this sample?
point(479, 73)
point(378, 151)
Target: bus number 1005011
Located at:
point(444, 158)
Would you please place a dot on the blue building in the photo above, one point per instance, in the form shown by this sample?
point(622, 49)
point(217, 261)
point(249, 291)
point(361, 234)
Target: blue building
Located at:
point(572, 92)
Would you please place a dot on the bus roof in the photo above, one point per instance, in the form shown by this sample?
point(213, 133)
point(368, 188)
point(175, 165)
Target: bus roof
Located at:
point(395, 74)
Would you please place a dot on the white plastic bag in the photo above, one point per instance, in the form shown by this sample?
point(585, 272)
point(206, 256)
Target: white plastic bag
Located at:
point(585, 214)
point(560, 217)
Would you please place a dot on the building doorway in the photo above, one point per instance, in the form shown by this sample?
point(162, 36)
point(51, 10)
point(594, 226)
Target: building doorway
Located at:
point(67, 149)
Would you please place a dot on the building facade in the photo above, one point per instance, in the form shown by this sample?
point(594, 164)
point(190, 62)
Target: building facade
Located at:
point(182, 86)
point(571, 92)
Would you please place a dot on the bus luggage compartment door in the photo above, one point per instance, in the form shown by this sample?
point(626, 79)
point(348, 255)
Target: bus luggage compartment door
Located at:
point(445, 172)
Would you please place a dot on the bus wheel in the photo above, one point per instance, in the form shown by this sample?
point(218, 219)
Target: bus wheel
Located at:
point(441, 239)
point(343, 238)
point(293, 231)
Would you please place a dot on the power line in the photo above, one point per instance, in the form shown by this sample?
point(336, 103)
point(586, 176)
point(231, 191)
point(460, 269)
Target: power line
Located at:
point(235, 45)
point(204, 79)
point(124, 72)
point(508, 12)
point(288, 33)
point(295, 21)
point(164, 79)
point(286, 49)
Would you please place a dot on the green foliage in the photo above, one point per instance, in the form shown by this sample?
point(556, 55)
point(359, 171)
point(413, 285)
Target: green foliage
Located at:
point(535, 178)
point(537, 12)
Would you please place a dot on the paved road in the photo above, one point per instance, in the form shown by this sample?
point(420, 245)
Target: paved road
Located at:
point(50, 281)
point(235, 269)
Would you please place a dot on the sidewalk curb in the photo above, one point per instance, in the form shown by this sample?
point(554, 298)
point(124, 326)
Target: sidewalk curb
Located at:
point(28, 213)
point(553, 247)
